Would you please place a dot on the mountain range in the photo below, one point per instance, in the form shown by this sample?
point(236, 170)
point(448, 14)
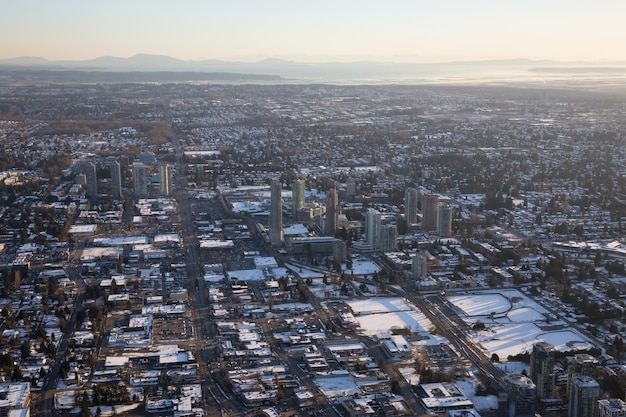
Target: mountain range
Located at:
point(357, 70)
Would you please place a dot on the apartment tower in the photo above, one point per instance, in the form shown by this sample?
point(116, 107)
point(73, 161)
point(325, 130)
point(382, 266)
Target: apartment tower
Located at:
point(583, 397)
point(430, 212)
point(92, 180)
point(542, 369)
point(164, 180)
point(332, 212)
point(410, 206)
point(297, 192)
point(116, 180)
point(276, 213)
point(140, 180)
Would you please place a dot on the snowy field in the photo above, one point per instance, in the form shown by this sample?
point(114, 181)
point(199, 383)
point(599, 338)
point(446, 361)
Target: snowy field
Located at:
point(361, 268)
point(514, 323)
point(378, 305)
point(481, 305)
point(482, 403)
point(304, 273)
point(378, 316)
point(512, 339)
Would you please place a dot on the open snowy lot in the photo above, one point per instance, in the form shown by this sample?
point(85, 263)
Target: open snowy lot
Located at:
point(378, 316)
point(514, 323)
point(362, 267)
point(481, 304)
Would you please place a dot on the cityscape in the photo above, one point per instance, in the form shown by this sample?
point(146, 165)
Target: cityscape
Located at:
point(269, 248)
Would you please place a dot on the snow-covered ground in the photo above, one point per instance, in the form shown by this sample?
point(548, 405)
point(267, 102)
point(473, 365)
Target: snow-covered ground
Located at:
point(481, 403)
point(482, 304)
point(377, 316)
point(304, 273)
point(362, 268)
point(514, 323)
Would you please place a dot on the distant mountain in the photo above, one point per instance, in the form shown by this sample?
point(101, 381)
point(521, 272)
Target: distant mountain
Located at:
point(140, 61)
point(357, 70)
point(581, 70)
point(46, 75)
point(24, 61)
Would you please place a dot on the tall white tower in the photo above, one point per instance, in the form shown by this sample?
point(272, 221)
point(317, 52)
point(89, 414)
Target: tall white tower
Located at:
point(164, 180)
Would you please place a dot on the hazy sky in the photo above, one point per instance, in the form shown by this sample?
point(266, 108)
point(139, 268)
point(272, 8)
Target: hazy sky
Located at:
point(400, 30)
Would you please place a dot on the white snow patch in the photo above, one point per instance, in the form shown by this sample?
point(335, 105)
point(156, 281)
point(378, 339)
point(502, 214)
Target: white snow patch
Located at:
point(468, 386)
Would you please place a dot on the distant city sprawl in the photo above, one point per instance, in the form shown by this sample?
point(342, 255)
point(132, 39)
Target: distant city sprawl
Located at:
point(216, 248)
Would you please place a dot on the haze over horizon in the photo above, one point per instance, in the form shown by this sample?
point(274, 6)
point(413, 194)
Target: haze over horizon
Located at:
point(248, 30)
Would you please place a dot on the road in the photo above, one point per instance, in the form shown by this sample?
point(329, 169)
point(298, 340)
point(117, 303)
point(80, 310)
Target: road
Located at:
point(453, 328)
point(45, 401)
point(216, 403)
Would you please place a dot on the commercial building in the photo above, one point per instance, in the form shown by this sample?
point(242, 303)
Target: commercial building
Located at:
point(314, 245)
point(613, 407)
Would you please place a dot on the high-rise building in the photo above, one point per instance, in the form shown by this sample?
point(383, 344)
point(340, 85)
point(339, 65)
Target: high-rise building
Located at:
point(410, 206)
point(613, 407)
point(350, 187)
point(388, 238)
point(340, 251)
point(164, 180)
point(430, 212)
point(419, 266)
point(92, 180)
point(116, 180)
point(582, 364)
point(380, 236)
point(276, 213)
point(140, 179)
point(332, 212)
point(542, 369)
point(81, 179)
point(444, 228)
point(297, 192)
point(583, 397)
point(373, 224)
point(521, 393)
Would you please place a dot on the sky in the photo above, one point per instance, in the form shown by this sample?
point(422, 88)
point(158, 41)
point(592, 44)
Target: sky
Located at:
point(313, 31)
